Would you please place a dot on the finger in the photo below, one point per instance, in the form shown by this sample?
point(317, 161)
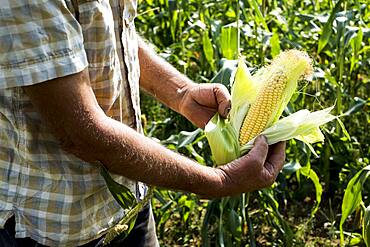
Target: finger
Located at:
point(276, 156)
point(201, 116)
point(259, 151)
point(204, 95)
point(223, 99)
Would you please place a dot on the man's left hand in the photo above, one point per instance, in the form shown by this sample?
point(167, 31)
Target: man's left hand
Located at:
point(202, 101)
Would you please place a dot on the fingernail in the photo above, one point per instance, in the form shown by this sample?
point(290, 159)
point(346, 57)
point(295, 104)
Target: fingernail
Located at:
point(262, 137)
point(227, 111)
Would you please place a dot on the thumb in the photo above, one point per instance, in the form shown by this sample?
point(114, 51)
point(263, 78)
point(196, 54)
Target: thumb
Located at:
point(223, 99)
point(259, 151)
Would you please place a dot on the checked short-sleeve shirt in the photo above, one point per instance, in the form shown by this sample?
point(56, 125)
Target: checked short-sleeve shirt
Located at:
point(56, 198)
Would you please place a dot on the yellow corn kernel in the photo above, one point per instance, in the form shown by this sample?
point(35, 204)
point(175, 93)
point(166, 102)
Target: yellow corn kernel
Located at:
point(261, 111)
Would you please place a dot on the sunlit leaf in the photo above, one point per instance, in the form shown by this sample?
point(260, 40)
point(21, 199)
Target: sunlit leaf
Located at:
point(208, 49)
point(366, 227)
point(258, 14)
point(275, 44)
point(121, 193)
point(229, 41)
point(291, 167)
point(228, 67)
point(311, 174)
point(186, 138)
point(327, 29)
point(352, 196)
point(356, 47)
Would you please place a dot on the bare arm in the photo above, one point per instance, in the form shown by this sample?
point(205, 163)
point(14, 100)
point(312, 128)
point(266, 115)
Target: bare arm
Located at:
point(197, 102)
point(160, 79)
point(69, 107)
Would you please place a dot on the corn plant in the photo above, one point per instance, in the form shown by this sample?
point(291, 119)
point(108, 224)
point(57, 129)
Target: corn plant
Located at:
point(352, 200)
point(366, 227)
point(201, 38)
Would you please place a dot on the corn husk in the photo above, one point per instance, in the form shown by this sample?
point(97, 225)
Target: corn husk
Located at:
point(303, 125)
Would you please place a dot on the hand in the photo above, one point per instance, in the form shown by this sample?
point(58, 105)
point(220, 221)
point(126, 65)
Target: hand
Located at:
point(256, 170)
point(201, 101)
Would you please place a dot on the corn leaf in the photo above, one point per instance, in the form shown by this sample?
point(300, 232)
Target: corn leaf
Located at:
point(291, 167)
point(227, 71)
point(260, 19)
point(356, 47)
point(311, 174)
point(366, 227)
point(121, 193)
point(185, 138)
point(208, 49)
point(352, 197)
point(229, 41)
point(327, 29)
point(275, 44)
point(281, 224)
point(126, 199)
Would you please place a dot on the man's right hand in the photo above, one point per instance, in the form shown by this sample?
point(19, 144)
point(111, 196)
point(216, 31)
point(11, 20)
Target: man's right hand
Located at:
point(256, 170)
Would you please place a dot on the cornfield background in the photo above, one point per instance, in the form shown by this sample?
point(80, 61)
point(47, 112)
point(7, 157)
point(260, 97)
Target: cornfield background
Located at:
point(309, 204)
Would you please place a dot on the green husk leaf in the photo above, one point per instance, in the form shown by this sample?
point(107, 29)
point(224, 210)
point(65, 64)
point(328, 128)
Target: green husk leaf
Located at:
point(244, 89)
point(243, 93)
point(302, 125)
point(222, 139)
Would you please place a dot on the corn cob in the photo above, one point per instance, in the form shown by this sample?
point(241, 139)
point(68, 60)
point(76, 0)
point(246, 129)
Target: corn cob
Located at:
point(258, 102)
point(260, 112)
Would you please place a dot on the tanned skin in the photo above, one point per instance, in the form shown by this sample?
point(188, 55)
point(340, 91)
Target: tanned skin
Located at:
point(69, 107)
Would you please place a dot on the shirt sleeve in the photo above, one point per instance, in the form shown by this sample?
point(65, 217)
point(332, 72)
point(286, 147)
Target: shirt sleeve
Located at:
point(39, 41)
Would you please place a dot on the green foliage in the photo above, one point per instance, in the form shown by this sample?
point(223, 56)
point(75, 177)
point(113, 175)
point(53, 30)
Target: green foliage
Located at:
point(229, 41)
point(125, 198)
point(366, 227)
point(311, 174)
point(353, 196)
point(196, 37)
point(123, 195)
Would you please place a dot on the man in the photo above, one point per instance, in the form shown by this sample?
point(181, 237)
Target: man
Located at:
point(69, 101)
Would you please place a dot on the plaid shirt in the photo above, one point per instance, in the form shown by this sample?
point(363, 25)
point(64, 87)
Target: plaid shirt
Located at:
point(56, 198)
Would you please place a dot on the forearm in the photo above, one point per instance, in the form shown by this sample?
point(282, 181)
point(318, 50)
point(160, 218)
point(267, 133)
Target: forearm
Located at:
point(84, 130)
point(130, 154)
point(160, 79)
